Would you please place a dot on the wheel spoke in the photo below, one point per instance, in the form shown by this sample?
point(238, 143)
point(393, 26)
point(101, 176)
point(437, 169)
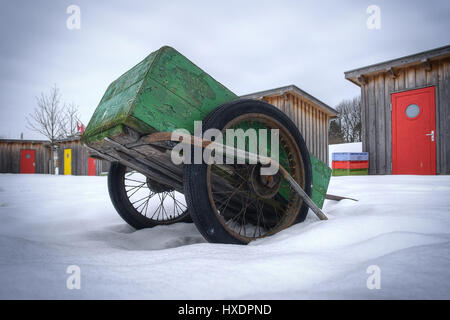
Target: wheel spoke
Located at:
point(249, 209)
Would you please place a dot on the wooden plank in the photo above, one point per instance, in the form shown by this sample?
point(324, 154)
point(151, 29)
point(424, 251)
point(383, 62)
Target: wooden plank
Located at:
point(61, 159)
point(287, 101)
point(303, 118)
point(325, 135)
point(320, 133)
point(388, 89)
point(363, 117)
point(41, 151)
point(380, 125)
point(400, 80)
point(310, 130)
point(410, 78)
point(314, 130)
point(371, 128)
point(15, 151)
point(421, 76)
point(43, 158)
point(444, 116)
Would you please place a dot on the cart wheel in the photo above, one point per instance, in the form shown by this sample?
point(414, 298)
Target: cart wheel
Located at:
point(142, 202)
point(233, 203)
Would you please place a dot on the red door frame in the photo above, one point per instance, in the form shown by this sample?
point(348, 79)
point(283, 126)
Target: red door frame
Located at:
point(27, 165)
point(421, 137)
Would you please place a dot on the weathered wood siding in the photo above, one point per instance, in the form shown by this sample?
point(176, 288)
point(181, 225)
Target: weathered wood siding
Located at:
point(376, 113)
point(10, 156)
point(79, 159)
point(310, 120)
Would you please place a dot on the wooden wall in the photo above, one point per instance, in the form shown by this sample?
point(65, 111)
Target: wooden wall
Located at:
point(79, 159)
point(10, 156)
point(376, 114)
point(310, 120)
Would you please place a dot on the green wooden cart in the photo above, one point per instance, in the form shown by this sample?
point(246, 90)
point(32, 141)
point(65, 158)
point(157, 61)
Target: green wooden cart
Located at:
point(229, 202)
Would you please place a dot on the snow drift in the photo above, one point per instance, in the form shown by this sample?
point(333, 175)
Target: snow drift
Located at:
point(400, 224)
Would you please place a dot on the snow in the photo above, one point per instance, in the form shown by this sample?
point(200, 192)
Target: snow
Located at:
point(400, 224)
point(343, 147)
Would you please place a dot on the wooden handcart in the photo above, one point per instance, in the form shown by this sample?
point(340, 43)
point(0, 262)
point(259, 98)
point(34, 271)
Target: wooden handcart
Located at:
point(230, 201)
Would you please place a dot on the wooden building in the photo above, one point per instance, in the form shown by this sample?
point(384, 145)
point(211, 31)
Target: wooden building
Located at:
point(311, 115)
point(35, 156)
point(406, 114)
point(25, 156)
point(73, 159)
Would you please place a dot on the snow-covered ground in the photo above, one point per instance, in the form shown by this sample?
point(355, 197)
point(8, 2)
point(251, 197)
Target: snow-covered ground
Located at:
point(400, 224)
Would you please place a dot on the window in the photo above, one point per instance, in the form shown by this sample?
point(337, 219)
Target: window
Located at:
point(412, 111)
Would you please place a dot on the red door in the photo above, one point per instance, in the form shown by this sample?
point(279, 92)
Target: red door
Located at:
point(414, 132)
point(27, 161)
point(91, 167)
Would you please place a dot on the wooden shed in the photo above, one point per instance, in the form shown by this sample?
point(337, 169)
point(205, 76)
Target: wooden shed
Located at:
point(25, 156)
point(406, 114)
point(311, 115)
point(73, 159)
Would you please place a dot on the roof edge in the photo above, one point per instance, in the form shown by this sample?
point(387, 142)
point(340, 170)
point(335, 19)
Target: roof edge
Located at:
point(433, 54)
point(24, 141)
point(292, 88)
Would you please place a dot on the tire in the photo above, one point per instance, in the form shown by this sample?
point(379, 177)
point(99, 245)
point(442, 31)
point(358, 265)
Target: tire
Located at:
point(122, 201)
point(198, 186)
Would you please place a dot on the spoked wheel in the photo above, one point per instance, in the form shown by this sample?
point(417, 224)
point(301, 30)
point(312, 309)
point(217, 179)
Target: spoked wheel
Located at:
point(235, 203)
point(142, 202)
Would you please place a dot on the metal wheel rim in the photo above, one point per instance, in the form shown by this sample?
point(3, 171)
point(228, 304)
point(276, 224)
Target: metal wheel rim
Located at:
point(296, 168)
point(168, 206)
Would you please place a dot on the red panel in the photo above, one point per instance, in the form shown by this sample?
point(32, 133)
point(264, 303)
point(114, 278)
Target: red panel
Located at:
point(27, 161)
point(413, 146)
point(91, 167)
point(350, 164)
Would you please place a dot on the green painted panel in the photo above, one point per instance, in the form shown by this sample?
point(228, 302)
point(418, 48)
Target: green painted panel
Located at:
point(186, 80)
point(113, 111)
point(321, 178)
point(164, 110)
point(163, 92)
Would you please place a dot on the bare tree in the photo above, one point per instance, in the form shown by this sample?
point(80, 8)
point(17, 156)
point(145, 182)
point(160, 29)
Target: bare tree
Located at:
point(70, 120)
point(349, 119)
point(47, 117)
point(335, 134)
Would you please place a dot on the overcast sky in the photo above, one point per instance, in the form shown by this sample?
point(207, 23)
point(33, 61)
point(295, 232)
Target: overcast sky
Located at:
point(246, 45)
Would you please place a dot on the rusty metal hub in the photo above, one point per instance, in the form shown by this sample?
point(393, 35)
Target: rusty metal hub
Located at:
point(265, 186)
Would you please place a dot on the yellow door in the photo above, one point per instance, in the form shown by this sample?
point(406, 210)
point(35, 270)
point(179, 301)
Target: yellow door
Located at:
point(68, 161)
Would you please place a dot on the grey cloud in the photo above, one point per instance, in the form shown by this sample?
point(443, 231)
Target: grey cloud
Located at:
point(246, 45)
